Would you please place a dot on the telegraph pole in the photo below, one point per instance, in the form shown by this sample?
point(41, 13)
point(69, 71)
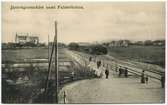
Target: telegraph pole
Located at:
point(48, 48)
point(54, 49)
point(56, 70)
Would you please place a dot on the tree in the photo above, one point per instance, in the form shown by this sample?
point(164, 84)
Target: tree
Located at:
point(98, 50)
point(73, 46)
point(106, 44)
point(148, 42)
point(159, 42)
point(139, 43)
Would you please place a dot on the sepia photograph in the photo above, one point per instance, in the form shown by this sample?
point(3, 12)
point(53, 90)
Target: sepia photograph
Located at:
point(83, 52)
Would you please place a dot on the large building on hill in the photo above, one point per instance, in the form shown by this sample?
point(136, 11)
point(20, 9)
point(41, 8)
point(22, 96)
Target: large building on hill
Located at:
point(120, 43)
point(23, 38)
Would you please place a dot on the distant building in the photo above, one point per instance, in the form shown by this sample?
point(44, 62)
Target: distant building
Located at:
point(120, 43)
point(24, 38)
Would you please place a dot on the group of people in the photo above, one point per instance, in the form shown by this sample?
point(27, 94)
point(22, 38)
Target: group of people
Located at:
point(123, 71)
point(144, 77)
point(100, 68)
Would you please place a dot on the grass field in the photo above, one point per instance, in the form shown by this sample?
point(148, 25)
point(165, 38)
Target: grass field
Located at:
point(19, 55)
point(36, 75)
point(146, 54)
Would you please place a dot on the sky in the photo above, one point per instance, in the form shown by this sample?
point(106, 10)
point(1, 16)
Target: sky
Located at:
point(95, 22)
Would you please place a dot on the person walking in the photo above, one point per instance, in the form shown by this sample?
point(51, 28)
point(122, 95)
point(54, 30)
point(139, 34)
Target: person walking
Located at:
point(90, 59)
point(146, 79)
point(142, 77)
point(126, 72)
point(98, 64)
point(163, 81)
point(120, 71)
point(107, 73)
point(72, 75)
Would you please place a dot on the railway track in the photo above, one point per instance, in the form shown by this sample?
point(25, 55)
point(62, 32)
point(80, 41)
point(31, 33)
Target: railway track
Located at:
point(113, 64)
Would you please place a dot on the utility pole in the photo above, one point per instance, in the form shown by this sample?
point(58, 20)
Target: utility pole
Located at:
point(56, 70)
point(54, 49)
point(48, 48)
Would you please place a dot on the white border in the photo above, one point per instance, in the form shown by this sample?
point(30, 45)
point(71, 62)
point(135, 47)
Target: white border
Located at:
point(82, 0)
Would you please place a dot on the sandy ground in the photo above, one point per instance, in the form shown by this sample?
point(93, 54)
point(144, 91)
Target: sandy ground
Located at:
point(113, 90)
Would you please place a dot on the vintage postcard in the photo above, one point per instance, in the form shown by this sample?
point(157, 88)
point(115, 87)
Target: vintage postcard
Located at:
point(83, 52)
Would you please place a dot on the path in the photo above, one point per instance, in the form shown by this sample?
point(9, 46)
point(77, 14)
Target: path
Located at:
point(113, 90)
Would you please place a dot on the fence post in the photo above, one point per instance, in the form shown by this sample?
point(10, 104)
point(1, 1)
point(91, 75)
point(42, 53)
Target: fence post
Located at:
point(64, 97)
